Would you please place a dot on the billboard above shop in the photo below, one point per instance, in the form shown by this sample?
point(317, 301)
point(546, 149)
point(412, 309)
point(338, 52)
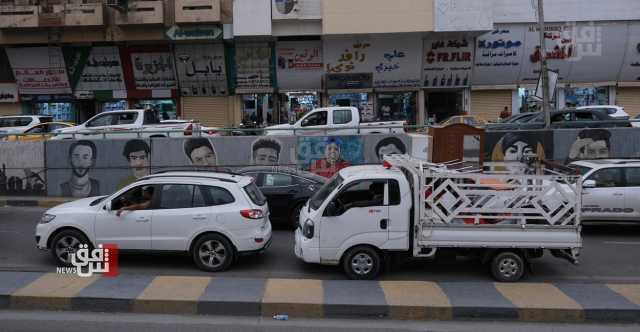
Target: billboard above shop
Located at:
point(39, 70)
point(253, 67)
point(299, 65)
point(8, 93)
point(448, 62)
point(201, 69)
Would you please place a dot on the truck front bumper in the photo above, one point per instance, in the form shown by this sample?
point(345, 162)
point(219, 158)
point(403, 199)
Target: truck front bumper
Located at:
point(306, 249)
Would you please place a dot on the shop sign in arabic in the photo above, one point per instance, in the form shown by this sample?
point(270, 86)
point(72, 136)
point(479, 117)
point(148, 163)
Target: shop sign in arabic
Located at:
point(299, 64)
point(201, 69)
point(290, 58)
point(253, 66)
point(103, 71)
point(499, 55)
point(194, 33)
point(8, 93)
point(447, 63)
point(39, 70)
point(631, 68)
point(153, 70)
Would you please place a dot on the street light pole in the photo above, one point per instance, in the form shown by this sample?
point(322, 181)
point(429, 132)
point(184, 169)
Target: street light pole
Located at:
point(543, 67)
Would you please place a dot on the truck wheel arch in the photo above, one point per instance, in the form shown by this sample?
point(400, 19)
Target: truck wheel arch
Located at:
point(343, 252)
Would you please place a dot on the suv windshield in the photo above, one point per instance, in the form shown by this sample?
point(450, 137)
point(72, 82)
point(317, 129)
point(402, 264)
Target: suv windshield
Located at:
point(255, 194)
point(322, 194)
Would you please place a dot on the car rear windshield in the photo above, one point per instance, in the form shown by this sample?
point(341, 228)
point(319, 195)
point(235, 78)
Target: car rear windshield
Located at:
point(322, 194)
point(255, 194)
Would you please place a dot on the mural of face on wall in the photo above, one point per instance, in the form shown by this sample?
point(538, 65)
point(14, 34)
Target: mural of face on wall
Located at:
point(137, 153)
point(327, 155)
point(591, 144)
point(200, 152)
point(82, 157)
point(266, 151)
point(389, 146)
point(515, 146)
point(332, 162)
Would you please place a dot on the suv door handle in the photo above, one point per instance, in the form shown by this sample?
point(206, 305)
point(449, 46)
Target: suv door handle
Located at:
point(142, 219)
point(618, 194)
point(198, 218)
point(384, 223)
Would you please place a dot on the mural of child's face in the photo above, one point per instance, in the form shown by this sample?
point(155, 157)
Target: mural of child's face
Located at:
point(388, 150)
point(594, 150)
point(265, 156)
point(517, 150)
point(139, 162)
point(332, 153)
point(203, 156)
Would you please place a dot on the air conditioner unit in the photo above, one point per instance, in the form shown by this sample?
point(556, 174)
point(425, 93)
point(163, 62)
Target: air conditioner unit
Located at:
point(284, 9)
point(119, 5)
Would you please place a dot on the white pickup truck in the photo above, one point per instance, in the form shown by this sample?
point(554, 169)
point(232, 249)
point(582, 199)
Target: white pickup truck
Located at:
point(128, 124)
point(366, 214)
point(335, 121)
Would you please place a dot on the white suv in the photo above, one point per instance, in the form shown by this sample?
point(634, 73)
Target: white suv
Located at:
point(18, 124)
point(610, 189)
point(215, 217)
point(616, 112)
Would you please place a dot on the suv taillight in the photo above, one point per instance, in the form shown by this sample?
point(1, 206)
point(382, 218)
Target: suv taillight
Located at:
point(252, 214)
point(189, 130)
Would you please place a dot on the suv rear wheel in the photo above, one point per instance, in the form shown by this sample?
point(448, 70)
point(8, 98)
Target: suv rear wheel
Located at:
point(213, 253)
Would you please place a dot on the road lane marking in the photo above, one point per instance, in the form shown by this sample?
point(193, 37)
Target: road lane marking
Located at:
point(622, 243)
point(541, 302)
point(416, 300)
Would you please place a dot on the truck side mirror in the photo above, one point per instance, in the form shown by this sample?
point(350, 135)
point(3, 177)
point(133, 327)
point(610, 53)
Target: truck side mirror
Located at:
point(589, 184)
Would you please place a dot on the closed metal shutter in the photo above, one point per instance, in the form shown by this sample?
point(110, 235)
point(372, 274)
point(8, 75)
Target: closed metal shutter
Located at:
point(629, 98)
point(10, 109)
point(210, 111)
point(487, 104)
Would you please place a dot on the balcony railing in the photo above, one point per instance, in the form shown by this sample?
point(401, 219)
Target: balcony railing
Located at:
point(18, 16)
point(197, 11)
point(141, 12)
point(53, 16)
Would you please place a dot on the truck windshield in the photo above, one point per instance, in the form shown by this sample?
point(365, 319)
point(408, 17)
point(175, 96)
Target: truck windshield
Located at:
point(322, 194)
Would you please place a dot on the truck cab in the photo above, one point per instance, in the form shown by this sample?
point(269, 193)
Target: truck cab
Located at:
point(361, 206)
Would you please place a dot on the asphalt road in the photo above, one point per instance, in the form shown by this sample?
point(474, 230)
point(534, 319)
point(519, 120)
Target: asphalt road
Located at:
point(35, 321)
point(610, 254)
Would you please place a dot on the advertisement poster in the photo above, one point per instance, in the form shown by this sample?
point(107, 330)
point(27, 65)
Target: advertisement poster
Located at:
point(394, 61)
point(39, 70)
point(631, 68)
point(327, 155)
point(299, 65)
point(253, 66)
point(499, 55)
point(102, 70)
point(153, 70)
point(201, 69)
point(447, 62)
point(8, 93)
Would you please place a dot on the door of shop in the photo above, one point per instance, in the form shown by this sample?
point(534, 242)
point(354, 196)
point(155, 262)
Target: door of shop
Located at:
point(443, 104)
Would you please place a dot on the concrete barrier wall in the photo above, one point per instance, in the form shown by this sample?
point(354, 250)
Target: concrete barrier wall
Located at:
point(83, 168)
point(563, 145)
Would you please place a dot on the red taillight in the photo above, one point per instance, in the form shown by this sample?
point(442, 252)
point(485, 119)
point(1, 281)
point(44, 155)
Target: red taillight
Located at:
point(189, 130)
point(386, 164)
point(252, 214)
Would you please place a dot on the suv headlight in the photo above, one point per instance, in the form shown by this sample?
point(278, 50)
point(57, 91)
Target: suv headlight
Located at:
point(46, 218)
point(308, 228)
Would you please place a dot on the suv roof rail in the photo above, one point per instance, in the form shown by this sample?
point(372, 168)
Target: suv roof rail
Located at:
point(217, 169)
point(201, 175)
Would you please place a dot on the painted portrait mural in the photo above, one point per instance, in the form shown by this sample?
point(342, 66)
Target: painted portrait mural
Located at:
point(22, 168)
point(514, 146)
point(326, 155)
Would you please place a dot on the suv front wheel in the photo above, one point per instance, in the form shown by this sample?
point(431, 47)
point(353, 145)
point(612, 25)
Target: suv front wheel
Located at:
point(213, 253)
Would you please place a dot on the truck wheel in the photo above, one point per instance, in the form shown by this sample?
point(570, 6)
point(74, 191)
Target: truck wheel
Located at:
point(65, 244)
point(213, 253)
point(362, 263)
point(507, 266)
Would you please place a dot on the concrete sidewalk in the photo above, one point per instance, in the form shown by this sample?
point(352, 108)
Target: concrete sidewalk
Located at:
point(40, 201)
point(305, 298)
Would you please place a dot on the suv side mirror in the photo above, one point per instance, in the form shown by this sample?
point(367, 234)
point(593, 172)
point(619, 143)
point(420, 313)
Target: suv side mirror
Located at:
point(589, 184)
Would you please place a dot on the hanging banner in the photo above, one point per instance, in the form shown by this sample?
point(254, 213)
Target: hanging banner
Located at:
point(499, 55)
point(102, 70)
point(299, 65)
point(253, 67)
point(447, 62)
point(8, 93)
point(153, 70)
point(39, 70)
point(631, 66)
point(598, 51)
point(393, 61)
point(201, 69)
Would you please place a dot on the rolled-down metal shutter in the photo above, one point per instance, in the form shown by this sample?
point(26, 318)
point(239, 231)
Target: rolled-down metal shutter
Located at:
point(210, 111)
point(487, 104)
point(10, 109)
point(629, 98)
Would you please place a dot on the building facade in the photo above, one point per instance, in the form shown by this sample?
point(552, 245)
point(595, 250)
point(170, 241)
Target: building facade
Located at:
point(224, 62)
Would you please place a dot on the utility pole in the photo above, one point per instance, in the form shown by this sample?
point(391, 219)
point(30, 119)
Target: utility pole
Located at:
point(543, 67)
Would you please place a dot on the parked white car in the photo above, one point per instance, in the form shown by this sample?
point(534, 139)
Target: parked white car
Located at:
point(214, 217)
point(611, 189)
point(613, 110)
point(18, 124)
point(335, 121)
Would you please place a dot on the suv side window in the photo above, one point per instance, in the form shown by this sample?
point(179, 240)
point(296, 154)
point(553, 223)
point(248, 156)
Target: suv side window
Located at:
point(632, 176)
point(276, 180)
point(212, 196)
point(131, 196)
point(363, 193)
point(341, 116)
point(127, 118)
point(315, 119)
point(585, 116)
point(608, 177)
point(176, 196)
point(103, 120)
